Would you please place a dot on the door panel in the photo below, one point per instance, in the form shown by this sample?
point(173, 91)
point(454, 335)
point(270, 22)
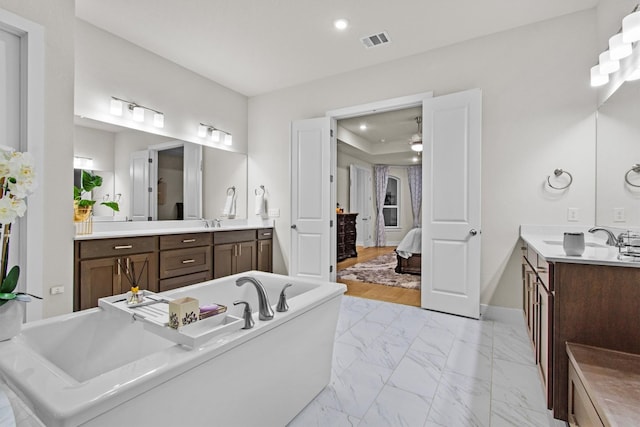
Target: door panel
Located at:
point(192, 192)
point(451, 203)
point(311, 198)
point(140, 186)
point(360, 201)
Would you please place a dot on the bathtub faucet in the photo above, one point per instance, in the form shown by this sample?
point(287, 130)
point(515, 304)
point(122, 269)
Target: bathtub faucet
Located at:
point(266, 312)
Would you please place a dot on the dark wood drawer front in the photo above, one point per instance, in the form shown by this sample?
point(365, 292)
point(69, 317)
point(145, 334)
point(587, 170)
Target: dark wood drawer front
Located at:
point(179, 262)
point(265, 233)
point(179, 241)
point(189, 279)
point(221, 237)
point(117, 247)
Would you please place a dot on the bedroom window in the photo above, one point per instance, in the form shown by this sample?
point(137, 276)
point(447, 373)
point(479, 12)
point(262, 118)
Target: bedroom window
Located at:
point(391, 209)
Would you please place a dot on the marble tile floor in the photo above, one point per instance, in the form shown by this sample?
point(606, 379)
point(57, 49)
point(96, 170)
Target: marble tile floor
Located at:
point(397, 365)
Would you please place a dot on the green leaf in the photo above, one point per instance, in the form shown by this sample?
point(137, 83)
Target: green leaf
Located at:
point(11, 281)
point(7, 296)
point(112, 205)
point(90, 181)
point(83, 203)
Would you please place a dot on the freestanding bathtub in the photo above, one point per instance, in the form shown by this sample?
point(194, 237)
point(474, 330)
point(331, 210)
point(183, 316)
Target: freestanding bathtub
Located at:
point(102, 368)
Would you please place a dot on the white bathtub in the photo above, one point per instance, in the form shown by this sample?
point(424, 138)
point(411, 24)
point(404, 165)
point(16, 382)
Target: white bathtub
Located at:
point(101, 368)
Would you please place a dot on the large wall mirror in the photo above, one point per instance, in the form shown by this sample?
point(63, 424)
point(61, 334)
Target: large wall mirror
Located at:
point(618, 159)
point(180, 188)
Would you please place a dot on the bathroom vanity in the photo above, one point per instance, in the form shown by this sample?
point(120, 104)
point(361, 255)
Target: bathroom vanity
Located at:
point(165, 258)
point(593, 299)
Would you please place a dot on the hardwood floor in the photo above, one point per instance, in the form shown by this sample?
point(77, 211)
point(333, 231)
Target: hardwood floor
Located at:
point(372, 290)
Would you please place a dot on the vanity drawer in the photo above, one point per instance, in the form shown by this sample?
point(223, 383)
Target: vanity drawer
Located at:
point(265, 233)
point(221, 237)
point(180, 281)
point(179, 241)
point(117, 247)
point(178, 262)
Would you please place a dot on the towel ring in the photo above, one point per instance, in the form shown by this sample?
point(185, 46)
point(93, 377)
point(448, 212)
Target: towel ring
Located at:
point(557, 173)
point(261, 189)
point(636, 169)
point(231, 191)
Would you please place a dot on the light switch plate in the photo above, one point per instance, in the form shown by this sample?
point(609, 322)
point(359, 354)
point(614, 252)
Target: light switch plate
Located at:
point(618, 215)
point(55, 290)
point(572, 214)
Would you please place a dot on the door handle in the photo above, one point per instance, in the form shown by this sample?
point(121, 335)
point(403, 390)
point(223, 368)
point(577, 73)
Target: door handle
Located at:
point(473, 231)
point(293, 227)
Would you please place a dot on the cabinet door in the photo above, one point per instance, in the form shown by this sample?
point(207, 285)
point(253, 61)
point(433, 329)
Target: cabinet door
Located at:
point(98, 278)
point(223, 260)
point(265, 255)
point(529, 300)
point(544, 311)
point(246, 257)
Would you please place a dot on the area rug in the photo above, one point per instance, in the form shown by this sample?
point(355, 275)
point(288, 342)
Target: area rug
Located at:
point(381, 271)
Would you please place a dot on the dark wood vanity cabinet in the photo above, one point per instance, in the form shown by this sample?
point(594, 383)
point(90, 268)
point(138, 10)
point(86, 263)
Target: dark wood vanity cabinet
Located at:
point(346, 235)
point(100, 263)
point(185, 259)
point(234, 252)
point(265, 250)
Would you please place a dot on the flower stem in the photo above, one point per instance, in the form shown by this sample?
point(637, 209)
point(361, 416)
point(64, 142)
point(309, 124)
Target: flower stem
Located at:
point(5, 251)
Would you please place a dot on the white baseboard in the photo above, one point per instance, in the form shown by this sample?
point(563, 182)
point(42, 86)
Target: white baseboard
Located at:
point(511, 316)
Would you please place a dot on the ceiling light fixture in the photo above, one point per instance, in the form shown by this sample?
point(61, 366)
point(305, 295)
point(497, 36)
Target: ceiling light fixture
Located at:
point(631, 27)
point(116, 107)
point(341, 24)
point(205, 130)
point(416, 140)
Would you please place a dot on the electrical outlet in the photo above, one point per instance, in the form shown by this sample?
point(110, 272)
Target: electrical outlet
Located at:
point(572, 214)
point(274, 213)
point(618, 215)
point(55, 290)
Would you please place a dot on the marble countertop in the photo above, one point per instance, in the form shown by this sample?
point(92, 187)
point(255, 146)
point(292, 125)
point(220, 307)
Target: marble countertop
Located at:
point(546, 240)
point(110, 230)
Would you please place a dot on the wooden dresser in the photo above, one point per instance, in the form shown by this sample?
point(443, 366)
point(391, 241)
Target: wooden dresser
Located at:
point(346, 235)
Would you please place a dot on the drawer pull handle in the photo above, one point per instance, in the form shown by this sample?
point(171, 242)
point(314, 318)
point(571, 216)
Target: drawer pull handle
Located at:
point(188, 240)
point(266, 234)
point(123, 247)
point(188, 261)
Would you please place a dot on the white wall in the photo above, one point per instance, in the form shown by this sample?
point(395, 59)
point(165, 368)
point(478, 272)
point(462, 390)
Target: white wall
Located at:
point(57, 245)
point(538, 115)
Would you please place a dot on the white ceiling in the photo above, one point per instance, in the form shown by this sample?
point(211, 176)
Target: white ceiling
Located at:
point(258, 46)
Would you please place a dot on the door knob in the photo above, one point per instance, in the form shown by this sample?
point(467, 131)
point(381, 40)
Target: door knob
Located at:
point(473, 231)
point(293, 227)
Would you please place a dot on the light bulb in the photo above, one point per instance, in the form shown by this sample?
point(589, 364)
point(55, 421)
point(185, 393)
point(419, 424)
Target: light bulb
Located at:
point(158, 120)
point(341, 24)
point(138, 114)
point(618, 49)
point(608, 65)
point(597, 78)
point(631, 27)
point(215, 135)
point(115, 107)
point(363, 126)
point(202, 130)
point(228, 139)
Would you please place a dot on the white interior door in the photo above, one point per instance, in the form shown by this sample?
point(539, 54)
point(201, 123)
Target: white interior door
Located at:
point(192, 192)
point(451, 203)
point(139, 170)
point(312, 242)
point(360, 201)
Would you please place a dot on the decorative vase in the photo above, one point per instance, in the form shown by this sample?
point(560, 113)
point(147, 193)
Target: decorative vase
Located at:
point(82, 219)
point(11, 316)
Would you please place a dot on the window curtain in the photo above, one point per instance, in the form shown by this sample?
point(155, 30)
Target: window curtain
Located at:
point(381, 174)
point(415, 189)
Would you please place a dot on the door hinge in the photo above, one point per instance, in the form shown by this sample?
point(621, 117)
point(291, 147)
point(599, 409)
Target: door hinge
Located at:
point(150, 160)
point(330, 223)
point(330, 178)
point(150, 189)
point(331, 269)
point(331, 132)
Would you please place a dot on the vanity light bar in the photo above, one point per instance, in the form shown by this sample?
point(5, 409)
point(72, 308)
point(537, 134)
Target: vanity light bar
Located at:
point(117, 105)
point(216, 134)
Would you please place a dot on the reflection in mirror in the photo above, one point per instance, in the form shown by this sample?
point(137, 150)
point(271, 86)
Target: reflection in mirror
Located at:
point(110, 151)
point(617, 154)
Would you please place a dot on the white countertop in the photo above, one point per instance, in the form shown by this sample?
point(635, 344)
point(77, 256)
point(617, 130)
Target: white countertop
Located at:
point(546, 240)
point(110, 230)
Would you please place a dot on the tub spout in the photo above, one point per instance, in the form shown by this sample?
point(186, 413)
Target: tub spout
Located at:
point(264, 307)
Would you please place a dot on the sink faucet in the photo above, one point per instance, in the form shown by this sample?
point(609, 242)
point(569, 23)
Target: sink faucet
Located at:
point(217, 223)
point(612, 240)
point(264, 307)
point(206, 223)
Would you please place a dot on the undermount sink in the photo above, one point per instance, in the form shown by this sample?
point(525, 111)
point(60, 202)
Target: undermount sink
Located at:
point(588, 244)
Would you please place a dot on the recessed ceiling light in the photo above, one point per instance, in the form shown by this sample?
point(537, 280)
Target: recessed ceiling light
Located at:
point(341, 24)
point(363, 127)
point(383, 140)
point(415, 159)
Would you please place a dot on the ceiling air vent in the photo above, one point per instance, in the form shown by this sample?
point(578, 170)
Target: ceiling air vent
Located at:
point(376, 40)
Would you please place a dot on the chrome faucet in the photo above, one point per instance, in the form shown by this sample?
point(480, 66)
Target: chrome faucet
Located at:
point(206, 223)
point(217, 223)
point(264, 306)
point(612, 240)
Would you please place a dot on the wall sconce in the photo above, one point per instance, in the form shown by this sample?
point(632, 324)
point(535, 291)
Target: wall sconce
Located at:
point(215, 133)
point(621, 46)
point(117, 106)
